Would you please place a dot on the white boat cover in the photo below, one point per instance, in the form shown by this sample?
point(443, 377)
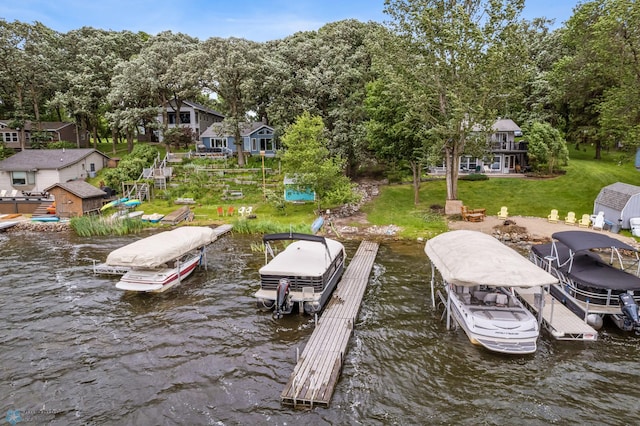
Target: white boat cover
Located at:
point(158, 249)
point(303, 258)
point(470, 258)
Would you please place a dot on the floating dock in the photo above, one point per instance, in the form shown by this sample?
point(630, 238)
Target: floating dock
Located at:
point(105, 269)
point(316, 374)
point(556, 317)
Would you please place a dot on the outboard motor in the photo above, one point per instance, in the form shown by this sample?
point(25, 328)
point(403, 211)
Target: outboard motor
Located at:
point(284, 305)
point(629, 309)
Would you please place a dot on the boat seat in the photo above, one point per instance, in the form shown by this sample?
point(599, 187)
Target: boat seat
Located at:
point(479, 295)
point(502, 299)
point(490, 298)
point(466, 298)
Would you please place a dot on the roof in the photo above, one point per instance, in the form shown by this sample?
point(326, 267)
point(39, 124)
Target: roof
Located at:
point(307, 258)
point(79, 188)
point(48, 159)
point(470, 258)
point(50, 126)
point(200, 107)
point(617, 195)
point(584, 240)
point(505, 125)
point(158, 249)
point(221, 129)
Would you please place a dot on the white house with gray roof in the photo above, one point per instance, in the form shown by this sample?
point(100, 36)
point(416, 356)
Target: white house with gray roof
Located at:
point(37, 169)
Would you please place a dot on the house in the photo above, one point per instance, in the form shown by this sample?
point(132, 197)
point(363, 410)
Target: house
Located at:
point(506, 155)
point(36, 169)
point(50, 131)
point(256, 137)
point(193, 115)
point(76, 198)
point(619, 202)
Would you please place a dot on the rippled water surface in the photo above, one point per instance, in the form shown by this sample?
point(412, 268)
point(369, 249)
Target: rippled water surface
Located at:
point(74, 350)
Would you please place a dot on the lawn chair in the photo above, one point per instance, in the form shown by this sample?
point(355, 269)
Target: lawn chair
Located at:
point(220, 212)
point(570, 219)
point(248, 211)
point(503, 213)
point(3, 193)
point(241, 211)
point(230, 211)
point(598, 223)
point(585, 221)
point(553, 217)
point(476, 215)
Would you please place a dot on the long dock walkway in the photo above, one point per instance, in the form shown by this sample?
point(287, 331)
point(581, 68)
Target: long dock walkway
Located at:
point(557, 318)
point(315, 376)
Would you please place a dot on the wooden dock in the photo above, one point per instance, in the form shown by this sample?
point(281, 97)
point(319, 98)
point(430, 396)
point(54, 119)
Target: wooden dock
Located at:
point(176, 216)
point(557, 318)
point(316, 374)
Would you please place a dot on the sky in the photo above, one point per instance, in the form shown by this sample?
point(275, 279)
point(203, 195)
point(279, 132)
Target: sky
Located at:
point(257, 20)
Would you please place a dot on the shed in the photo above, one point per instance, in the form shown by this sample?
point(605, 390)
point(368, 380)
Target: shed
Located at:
point(76, 198)
point(619, 202)
point(293, 193)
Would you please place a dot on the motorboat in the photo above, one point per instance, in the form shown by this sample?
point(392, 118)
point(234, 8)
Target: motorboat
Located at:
point(599, 276)
point(479, 274)
point(305, 273)
point(161, 261)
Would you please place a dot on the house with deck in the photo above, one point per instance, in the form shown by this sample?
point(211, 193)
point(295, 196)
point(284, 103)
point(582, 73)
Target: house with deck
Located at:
point(256, 137)
point(34, 170)
point(193, 115)
point(505, 153)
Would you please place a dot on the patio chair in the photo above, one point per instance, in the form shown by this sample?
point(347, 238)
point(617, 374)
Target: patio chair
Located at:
point(230, 211)
point(248, 211)
point(598, 223)
point(3, 193)
point(503, 213)
point(553, 217)
point(241, 211)
point(585, 221)
point(570, 219)
point(475, 215)
point(220, 211)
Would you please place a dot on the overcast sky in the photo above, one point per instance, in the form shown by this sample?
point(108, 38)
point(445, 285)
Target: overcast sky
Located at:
point(258, 20)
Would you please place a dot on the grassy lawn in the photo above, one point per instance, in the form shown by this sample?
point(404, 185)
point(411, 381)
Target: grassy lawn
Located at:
point(574, 191)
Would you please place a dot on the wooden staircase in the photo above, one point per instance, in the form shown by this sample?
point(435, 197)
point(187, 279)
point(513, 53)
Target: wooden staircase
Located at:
point(41, 210)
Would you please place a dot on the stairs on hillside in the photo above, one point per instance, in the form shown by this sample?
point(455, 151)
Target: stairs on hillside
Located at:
point(41, 210)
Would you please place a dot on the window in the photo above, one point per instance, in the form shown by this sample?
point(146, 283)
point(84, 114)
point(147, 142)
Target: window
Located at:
point(92, 167)
point(266, 144)
point(185, 118)
point(23, 178)
point(254, 145)
point(218, 143)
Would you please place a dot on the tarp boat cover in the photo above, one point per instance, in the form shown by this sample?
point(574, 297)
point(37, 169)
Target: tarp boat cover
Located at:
point(310, 256)
point(155, 251)
point(572, 250)
point(470, 258)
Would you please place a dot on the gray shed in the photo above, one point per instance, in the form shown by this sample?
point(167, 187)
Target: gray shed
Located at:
point(619, 202)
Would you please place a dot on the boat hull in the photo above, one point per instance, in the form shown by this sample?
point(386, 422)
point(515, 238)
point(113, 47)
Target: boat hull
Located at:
point(509, 330)
point(158, 280)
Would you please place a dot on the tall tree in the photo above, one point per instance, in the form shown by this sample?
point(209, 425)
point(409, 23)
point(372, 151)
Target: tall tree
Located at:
point(463, 54)
point(309, 162)
point(547, 147)
point(230, 67)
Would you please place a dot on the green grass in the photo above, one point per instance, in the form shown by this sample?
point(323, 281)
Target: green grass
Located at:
point(575, 191)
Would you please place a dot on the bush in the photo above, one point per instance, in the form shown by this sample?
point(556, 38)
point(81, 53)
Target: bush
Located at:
point(474, 177)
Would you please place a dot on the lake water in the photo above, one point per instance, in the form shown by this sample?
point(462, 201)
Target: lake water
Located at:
point(75, 350)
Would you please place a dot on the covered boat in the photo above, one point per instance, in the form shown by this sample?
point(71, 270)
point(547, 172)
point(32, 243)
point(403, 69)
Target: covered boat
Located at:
point(478, 275)
point(161, 261)
point(304, 273)
point(596, 279)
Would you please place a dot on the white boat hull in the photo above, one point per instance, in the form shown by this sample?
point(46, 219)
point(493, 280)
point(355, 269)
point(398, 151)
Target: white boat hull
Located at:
point(157, 280)
point(509, 329)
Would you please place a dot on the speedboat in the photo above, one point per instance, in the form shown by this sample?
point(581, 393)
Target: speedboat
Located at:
point(478, 276)
point(161, 261)
point(303, 274)
point(596, 279)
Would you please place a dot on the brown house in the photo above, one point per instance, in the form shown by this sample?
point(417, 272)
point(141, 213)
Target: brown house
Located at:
point(51, 131)
point(76, 198)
